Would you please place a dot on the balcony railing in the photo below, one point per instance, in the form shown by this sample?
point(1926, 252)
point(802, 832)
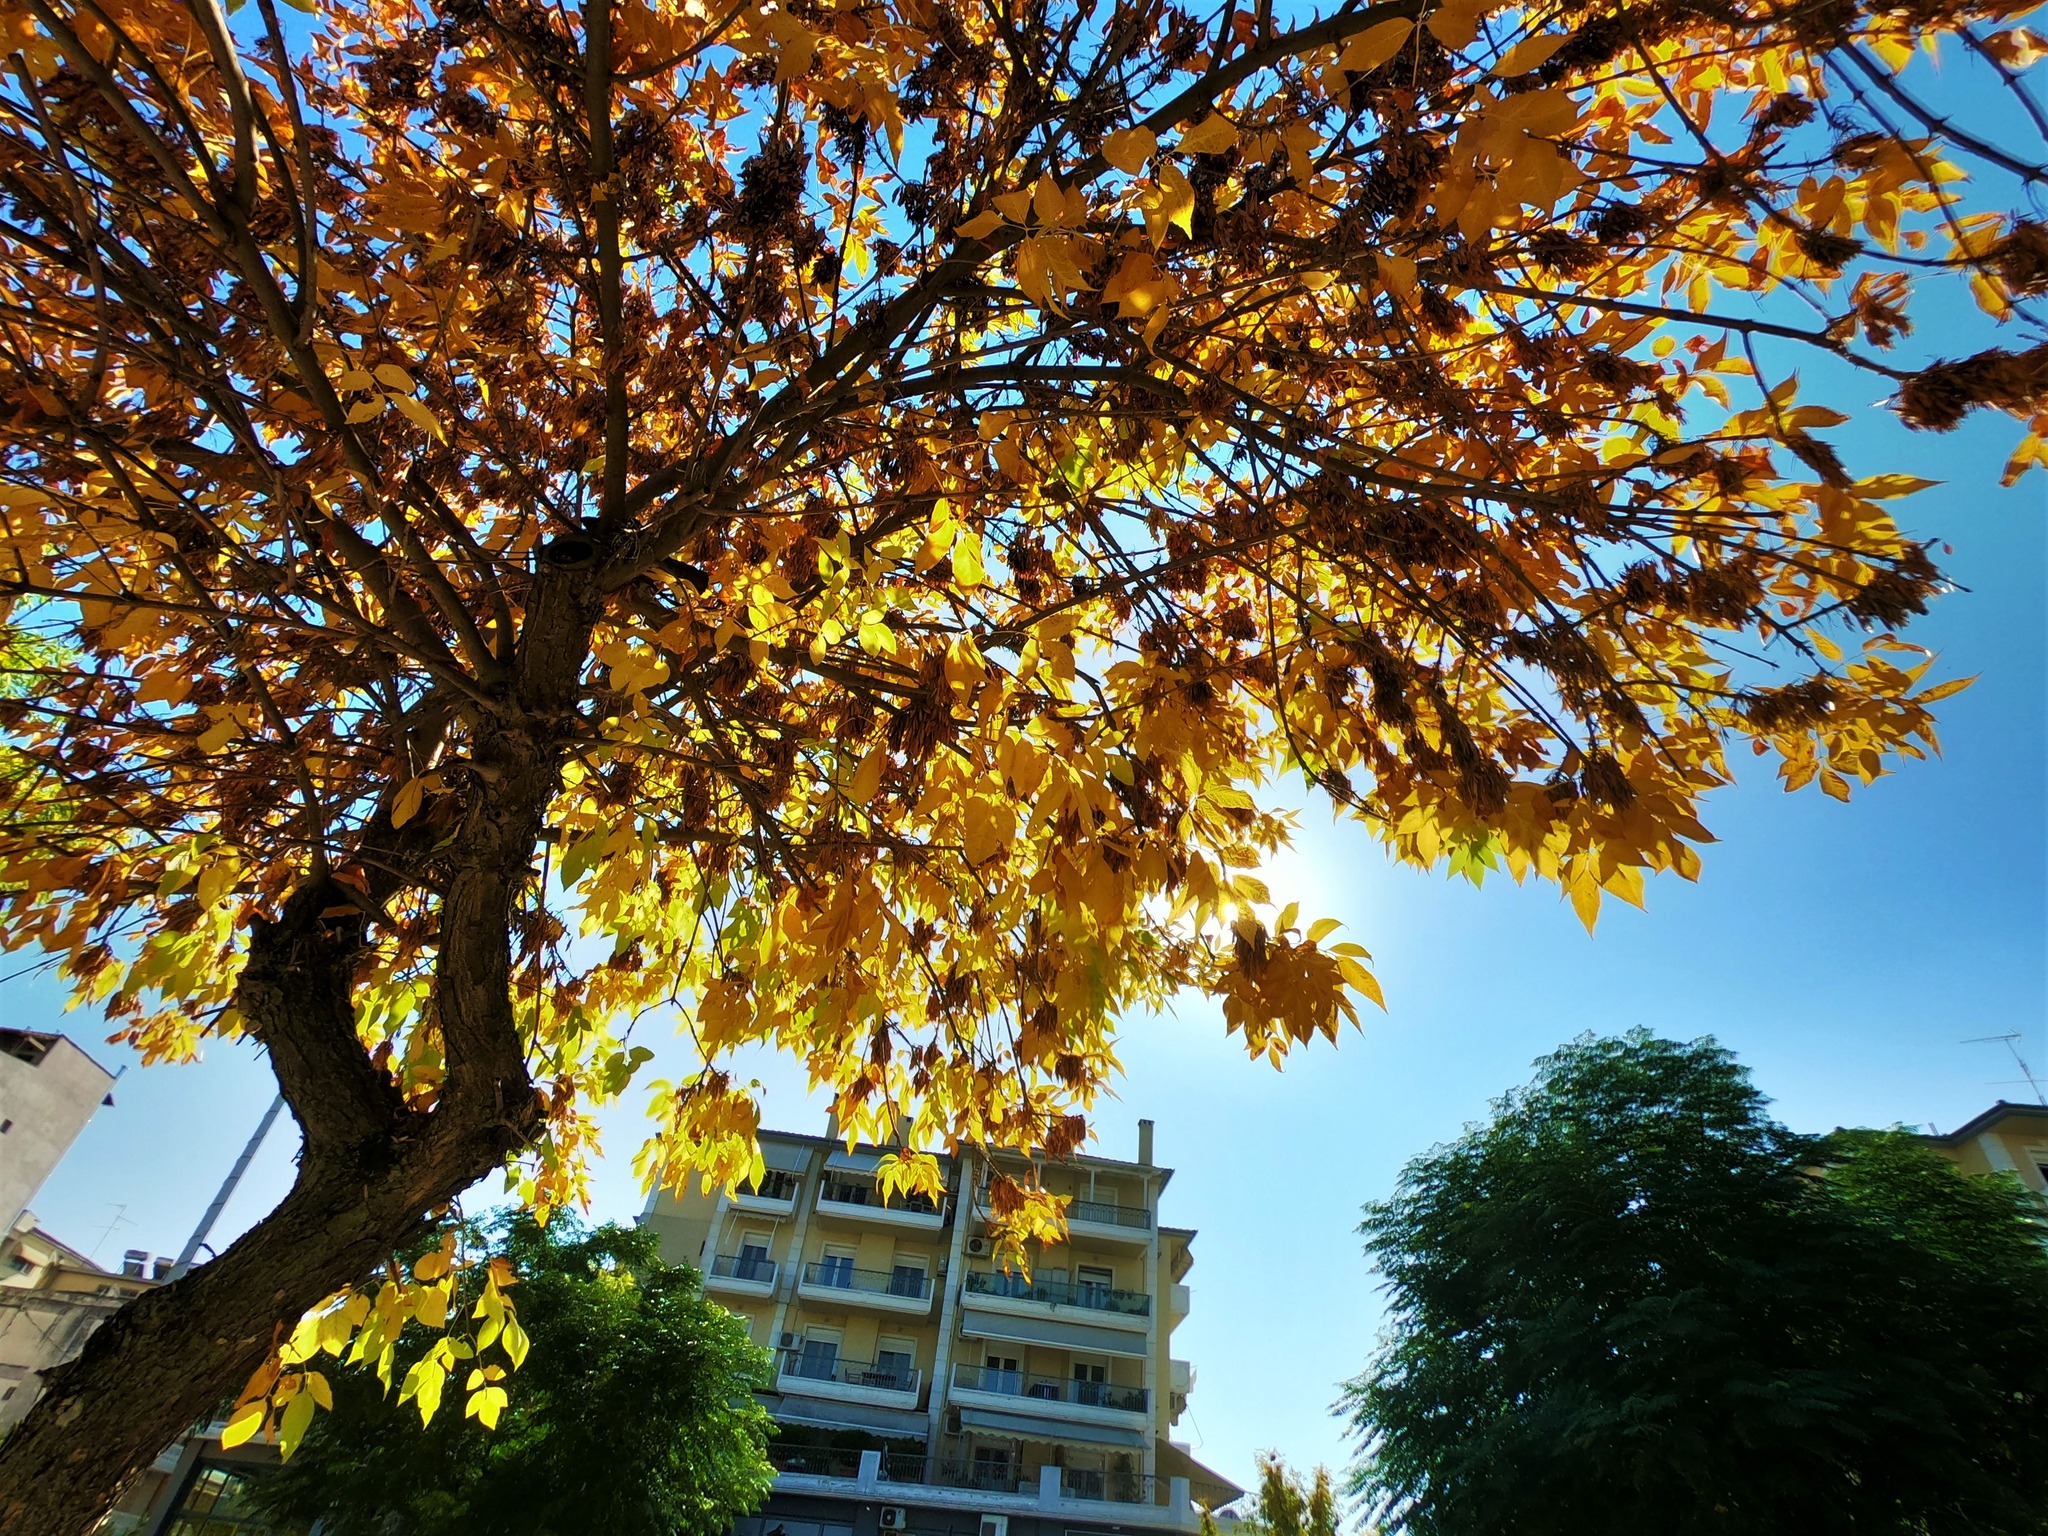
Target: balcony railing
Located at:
point(740, 1266)
point(910, 1284)
point(839, 1189)
point(1113, 1485)
point(1050, 1389)
point(1107, 1213)
point(798, 1366)
point(1059, 1293)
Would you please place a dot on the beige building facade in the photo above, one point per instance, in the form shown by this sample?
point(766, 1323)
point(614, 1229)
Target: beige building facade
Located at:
point(49, 1089)
point(918, 1385)
point(2006, 1138)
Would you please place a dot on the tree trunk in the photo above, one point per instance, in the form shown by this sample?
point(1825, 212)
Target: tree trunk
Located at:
point(372, 1168)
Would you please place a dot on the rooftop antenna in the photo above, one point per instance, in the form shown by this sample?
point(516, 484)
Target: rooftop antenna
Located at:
point(227, 1189)
point(120, 1220)
point(2011, 1041)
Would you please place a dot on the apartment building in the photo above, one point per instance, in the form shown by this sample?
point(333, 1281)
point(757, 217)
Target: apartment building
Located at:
point(49, 1088)
point(2006, 1138)
point(921, 1387)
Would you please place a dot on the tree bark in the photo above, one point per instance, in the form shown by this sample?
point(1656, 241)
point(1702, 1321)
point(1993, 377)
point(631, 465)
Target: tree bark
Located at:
point(371, 1168)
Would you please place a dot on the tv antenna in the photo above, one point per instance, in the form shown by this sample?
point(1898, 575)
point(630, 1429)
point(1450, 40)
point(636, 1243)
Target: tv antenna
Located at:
point(2011, 1041)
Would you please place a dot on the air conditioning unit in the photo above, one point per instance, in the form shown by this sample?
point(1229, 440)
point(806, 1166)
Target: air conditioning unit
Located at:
point(995, 1525)
point(979, 1248)
point(792, 1341)
point(895, 1518)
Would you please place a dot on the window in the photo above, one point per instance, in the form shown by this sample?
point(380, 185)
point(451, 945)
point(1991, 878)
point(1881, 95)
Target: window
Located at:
point(895, 1363)
point(836, 1268)
point(215, 1503)
point(819, 1358)
point(753, 1263)
point(992, 1467)
point(775, 1185)
point(1091, 1383)
point(907, 1278)
point(1001, 1375)
point(1093, 1285)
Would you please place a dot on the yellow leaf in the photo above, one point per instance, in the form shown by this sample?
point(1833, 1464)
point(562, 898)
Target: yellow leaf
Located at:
point(393, 377)
point(1179, 198)
point(1322, 928)
point(363, 410)
point(1213, 135)
point(322, 1393)
point(1128, 149)
point(243, 1425)
point(219, 734)
point(987, 830)
point(1457, 23)
point(1046, 200)
point(291, 1424)
point(1136, 287)
point(417, 413)
point(867, 778)
point(1375, 45)
point(981, 226)
point(968, 568)
point(1398, 272)
point(411, 795)
point(514, 1343)
point(1528, 54)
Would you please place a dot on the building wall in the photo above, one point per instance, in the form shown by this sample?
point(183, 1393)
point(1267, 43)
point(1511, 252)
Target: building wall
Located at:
point(49, 1089)
point(1040, 1424)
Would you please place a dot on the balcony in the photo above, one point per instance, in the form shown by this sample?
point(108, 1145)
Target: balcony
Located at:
point(775, 1195)
point(1093, 1402)
point(740, 1274)
point(1107, 1222)
point(904, 1289)
point(854, 1197)
point(883, 1383)
point(995, 1291)
point(887, 1474)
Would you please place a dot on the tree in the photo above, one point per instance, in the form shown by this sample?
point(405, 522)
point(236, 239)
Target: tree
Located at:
point(1284, 1504)
point(1633, 1298)
point(825, 516)
point(635, 1415)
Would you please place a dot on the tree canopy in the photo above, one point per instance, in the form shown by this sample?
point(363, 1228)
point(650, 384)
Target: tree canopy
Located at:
point(1285, 1503)
point(635, 1415)
point(1632, 1299)
point(832, 518)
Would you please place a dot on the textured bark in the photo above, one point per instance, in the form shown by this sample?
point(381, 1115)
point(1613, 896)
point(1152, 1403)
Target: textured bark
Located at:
point(372, 1168)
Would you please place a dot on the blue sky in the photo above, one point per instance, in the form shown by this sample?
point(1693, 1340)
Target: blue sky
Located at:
point(1844, 951)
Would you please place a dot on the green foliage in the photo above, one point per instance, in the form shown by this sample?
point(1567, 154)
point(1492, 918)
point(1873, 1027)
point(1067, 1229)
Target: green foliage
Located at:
point(1286, 1504)
point(633, 1416)
point(1632, 1301)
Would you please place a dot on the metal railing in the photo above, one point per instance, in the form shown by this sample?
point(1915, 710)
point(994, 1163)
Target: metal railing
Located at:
point(1108, 1213)
point(988, 1477)
point(1059, 1293)
point(814, 1460)
point(910, 1284)
point(907, 1467)
point(776, 1185)
point(1050, 1389)
point(840, 1189)
point(1112, 1485)
point(739, 1266)
point(799, 1366)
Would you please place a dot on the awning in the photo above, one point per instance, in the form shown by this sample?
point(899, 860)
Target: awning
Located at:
point(784, 1157)
point(856, 1416)
point(1028, 1428)
point(1205, 1483)
point(853, 1162)
point(1060, 1334)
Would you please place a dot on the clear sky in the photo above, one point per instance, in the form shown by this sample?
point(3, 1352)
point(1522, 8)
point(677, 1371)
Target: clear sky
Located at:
point(1845, 952)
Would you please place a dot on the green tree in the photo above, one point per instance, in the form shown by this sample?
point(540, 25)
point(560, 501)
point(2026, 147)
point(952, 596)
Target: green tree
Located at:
point(634, 1416)
point(1632, 1299)
point(1286, 1504)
